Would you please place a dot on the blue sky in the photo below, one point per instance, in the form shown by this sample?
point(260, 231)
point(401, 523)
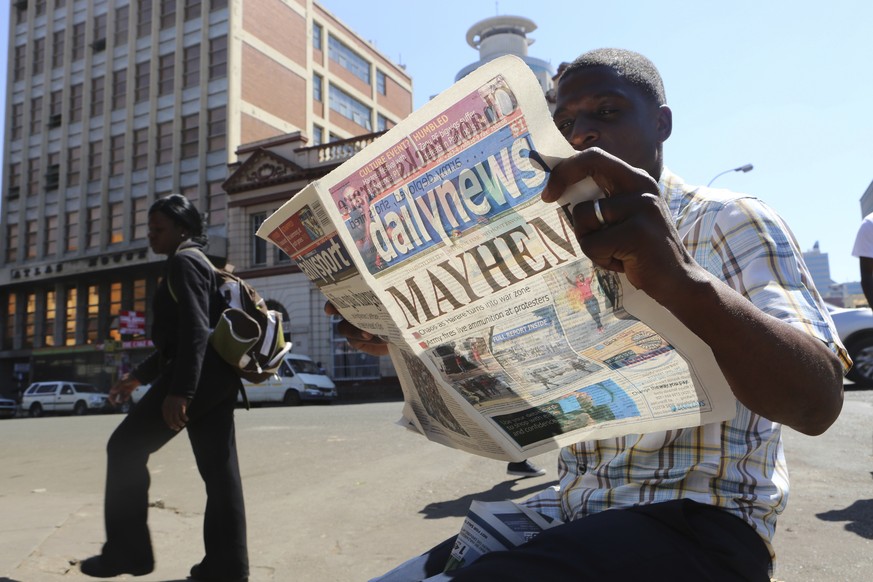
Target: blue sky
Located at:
point(784, 85)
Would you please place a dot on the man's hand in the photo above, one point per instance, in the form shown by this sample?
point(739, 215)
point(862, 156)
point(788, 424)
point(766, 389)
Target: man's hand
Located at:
point(122, 389)
point(358, 338)
point(175, 412)
point(639, 238)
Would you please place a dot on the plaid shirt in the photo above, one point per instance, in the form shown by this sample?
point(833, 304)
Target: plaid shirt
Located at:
point(736, 465)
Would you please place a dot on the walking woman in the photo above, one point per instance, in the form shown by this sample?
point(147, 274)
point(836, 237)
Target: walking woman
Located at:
point(192, 388)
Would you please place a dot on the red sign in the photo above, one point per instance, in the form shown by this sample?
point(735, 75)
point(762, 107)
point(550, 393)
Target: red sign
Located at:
point(131, 322)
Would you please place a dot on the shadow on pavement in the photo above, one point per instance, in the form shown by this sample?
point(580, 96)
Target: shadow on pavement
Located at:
point(500, 492)
point(5, 579)
point(859, 515)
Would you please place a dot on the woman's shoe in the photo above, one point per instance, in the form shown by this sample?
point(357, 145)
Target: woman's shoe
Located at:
point(100, 567)
point(198, 573)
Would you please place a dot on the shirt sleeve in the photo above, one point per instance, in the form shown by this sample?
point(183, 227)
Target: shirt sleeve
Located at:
point(864, 239)
point(191, 283)
point(754, 252)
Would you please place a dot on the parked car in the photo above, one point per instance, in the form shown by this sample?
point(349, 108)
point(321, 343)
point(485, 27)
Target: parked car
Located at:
point(8, 408)
point(855, 328)
point(63, 397)
point(298, 381)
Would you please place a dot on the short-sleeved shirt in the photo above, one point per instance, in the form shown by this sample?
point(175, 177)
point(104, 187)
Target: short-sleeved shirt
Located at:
point(737, 465)
point(864, 239)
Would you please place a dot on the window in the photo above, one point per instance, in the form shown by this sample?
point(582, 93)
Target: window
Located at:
point(53, 172)
point(71, 231)
point(259, 245)
point(95, 160)
point(58, 49)
point(217, 204)
point(139, 218)
point(48, 317)
point(349, 59)
point(349, 107)
point(381, 122)
point(30, 320)
point(192, 193)
point(217, 5)
point(119, 89)
point(91, 319)
point(70, 316)
point(116, 155)
point(139, 294)
point(99, 32)
point(56, 102)
point(32, 176)
point(97, 96)
point(192, 9)
point(216, 129)
point(114, 307)
point(381, 83)
point(78, 41)
point(317, 42)
point(217, 57)
point(11, 243)
point(19, 62)
point(122, 25)
point(30, 233)
point(191, 66)
point(317, 135)
point(317, 86)
point(140, 148)
point(164, 143)
point(14, 180)
point(50, 245)
point(9, 329)
point(144, 25)
point(141, 82)
point(92, 228)
point(16, 122)
point(116, 222)
point(38, 56)
point(190, 128)
point(75, 103)
point(74, 165)
point(168, 14)
point(39, 7)
point(166, 71)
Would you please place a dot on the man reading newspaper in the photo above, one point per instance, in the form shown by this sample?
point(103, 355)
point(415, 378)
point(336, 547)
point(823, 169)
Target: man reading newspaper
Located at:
point(699, 503)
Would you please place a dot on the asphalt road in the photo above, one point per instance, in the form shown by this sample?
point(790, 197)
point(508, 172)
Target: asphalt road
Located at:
point(339, 493)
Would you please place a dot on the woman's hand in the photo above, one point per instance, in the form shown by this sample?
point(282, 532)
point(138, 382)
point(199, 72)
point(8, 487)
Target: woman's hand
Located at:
point(175, 410)
point(122, 390)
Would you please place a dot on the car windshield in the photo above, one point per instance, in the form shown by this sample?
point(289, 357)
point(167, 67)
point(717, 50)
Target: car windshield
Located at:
point(303, 366)
point(85, 388)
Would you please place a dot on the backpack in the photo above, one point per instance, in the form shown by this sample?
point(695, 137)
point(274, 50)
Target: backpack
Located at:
point(248, 335)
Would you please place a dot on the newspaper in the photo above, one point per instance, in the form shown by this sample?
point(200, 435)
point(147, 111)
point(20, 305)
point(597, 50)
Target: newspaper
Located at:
point(488, 527)
point(507, 341)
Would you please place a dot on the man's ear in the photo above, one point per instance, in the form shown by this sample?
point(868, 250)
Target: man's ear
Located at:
point(665, 123)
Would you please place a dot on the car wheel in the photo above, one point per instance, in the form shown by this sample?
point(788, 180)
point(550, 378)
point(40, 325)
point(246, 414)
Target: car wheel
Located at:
point(861, 351)
point(292, 398)
point(80, 408)
point(35, 410)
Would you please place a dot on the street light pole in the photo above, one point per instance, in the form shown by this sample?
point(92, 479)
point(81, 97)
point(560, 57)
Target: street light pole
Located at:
point(745, 168)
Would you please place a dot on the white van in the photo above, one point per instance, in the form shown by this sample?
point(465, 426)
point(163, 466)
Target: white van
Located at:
point(298, 381)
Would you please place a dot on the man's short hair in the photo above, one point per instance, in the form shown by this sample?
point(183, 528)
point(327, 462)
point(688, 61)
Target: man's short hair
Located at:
point(634, 67)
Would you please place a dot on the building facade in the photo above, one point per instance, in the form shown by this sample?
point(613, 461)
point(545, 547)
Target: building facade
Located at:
point(114, 103)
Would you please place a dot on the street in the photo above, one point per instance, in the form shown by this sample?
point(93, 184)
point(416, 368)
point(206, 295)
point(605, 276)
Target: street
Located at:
point(337, 493)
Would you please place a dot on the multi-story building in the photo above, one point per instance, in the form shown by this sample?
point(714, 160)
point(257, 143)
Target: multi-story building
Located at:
point(113, 103)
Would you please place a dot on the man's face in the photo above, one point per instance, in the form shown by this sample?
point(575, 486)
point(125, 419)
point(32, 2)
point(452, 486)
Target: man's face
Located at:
point(598, 108)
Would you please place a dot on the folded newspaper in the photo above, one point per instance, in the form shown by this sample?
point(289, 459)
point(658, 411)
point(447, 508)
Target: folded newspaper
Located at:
point(508, 342)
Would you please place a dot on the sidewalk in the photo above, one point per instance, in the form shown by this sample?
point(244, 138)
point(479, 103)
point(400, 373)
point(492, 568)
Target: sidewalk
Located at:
point(339, 493)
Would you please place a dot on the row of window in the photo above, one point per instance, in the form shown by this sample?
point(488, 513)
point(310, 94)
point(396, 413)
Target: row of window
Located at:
point(145, 8)
point(141, 89)
point(347, 106)
point(259, 245)
point(66, 237)
point(341, 53)
point(69, 315)
point(27, 174)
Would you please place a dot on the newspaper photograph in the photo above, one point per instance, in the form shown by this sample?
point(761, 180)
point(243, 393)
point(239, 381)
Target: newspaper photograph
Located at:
point(507, 341)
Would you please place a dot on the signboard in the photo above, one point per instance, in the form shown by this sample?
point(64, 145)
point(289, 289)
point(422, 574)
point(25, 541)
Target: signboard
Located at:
point(131, 322)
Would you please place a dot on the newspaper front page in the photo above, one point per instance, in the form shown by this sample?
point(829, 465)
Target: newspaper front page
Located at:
point(507, 341)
